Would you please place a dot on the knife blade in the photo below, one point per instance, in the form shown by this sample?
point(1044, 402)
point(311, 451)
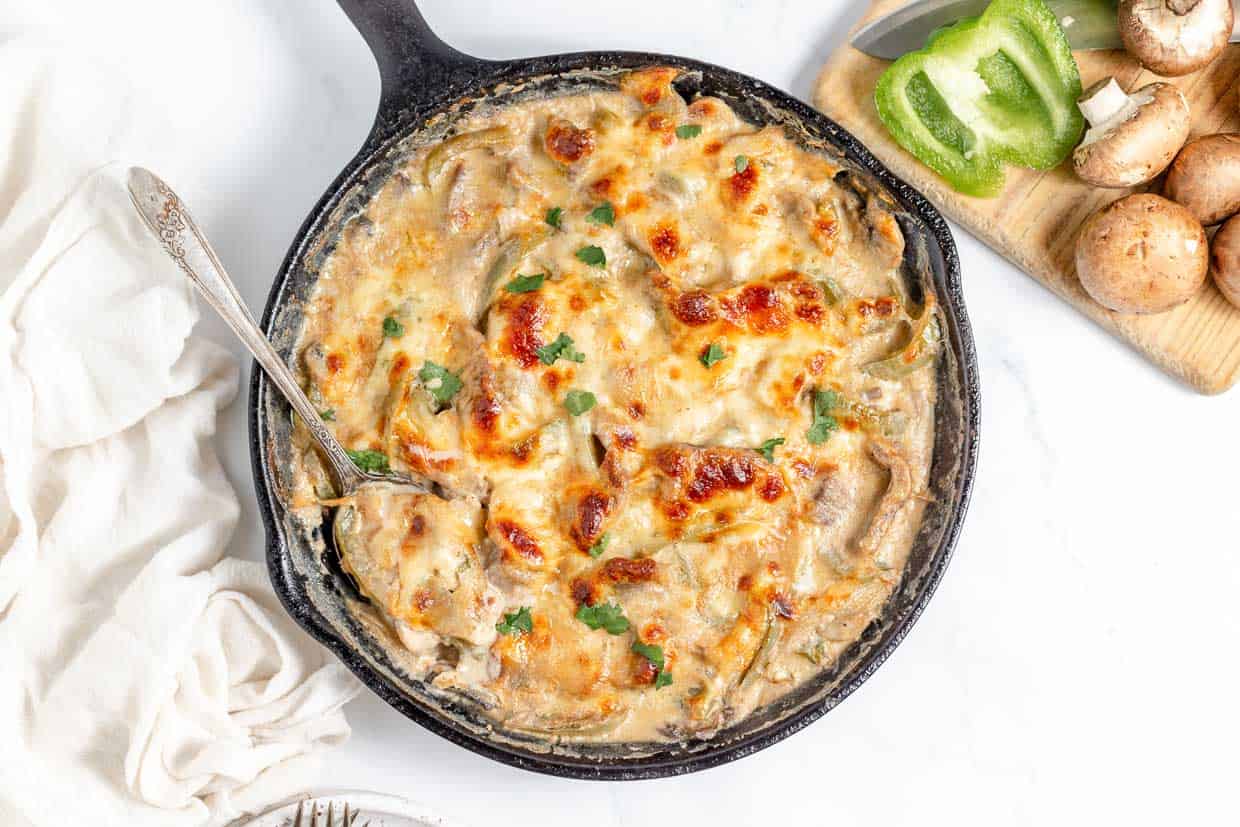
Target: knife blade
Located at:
point(1089, 24)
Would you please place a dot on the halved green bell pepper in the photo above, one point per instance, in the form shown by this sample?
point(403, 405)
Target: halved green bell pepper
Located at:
point(988, 91)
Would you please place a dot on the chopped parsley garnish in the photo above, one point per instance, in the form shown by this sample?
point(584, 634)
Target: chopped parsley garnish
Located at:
point(553, 216)
point(578, 402)
point(713, 354)
point(375, 462)
point(441, 382)
point(525, 284)
point(824, 423)
point(688, 130)
point(328, 415)
point(654, 654)
point(561, 348)
point(516, 623)
point(741, 163)
point(393, 329)
point(593, 256)
point(604, 213)
point(606, 616)
point(767, 449)
point(599, 547)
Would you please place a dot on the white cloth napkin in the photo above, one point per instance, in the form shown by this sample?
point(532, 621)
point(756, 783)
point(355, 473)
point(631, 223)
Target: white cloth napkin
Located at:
point(144, 677)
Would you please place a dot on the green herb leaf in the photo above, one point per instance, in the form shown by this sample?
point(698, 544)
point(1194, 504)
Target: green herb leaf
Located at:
point(328, 415)
point(375, 462)
point(441, 382)
point(393, 329)
point(654, 654)
point(554, 215)
point(606, 616)
point(525, 284)
point(598, 548)
point(578, 402)
point(604, 213)
point(650, 652)
point(824, 423)
point(767, 449)
point(741, 162)
point(713, 354)
point(561, 348)
point(688, 130)
point(593, 256)
point(518, 622)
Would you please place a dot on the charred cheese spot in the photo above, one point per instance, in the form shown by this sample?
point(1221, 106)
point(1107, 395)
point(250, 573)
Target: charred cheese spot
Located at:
point(880, 309)
point(650, 86)
point(740, 186)
point(624, 570)
point(609, 186)
point(485, 411)
point(716, 473)
point(552, 380)
point(660, 126)
point(585, 592)
point(759, 308)
point(772, 488)
point(665, 243)
point(523, 336)
point(592, 510)
point(811, 313)
point(518, 540)
point(694, 309)
point(566, 143)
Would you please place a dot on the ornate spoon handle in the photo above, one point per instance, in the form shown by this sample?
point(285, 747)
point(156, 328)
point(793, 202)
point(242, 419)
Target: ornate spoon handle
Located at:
point(170, 222)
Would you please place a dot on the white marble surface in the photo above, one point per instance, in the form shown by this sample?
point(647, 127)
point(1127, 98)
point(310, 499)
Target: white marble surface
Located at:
point(1080, 659)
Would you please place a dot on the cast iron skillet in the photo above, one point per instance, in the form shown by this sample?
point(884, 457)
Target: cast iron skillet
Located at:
point(425, 84)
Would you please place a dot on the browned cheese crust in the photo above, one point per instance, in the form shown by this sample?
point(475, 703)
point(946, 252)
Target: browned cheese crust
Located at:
point(681, 233)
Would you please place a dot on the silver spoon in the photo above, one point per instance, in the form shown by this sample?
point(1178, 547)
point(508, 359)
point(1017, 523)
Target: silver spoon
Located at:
point(166, 217)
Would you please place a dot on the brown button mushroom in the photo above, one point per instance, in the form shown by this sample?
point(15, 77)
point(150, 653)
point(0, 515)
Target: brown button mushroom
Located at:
point(1131, 138)
point(1175, 37)
point(1141, 254)
point(1205, 178)
point(1225, 260)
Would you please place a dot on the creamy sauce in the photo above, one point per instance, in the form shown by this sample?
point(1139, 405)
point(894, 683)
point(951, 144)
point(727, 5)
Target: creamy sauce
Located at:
point(709, 284)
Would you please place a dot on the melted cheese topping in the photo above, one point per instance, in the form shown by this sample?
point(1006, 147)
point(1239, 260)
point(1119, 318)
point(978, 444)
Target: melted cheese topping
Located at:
point(749, 575)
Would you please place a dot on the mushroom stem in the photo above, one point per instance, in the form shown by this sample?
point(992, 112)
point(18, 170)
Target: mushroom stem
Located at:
point(1103, 101)
point(1106, 105)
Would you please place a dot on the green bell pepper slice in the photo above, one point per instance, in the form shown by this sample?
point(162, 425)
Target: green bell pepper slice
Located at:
point(987, 91)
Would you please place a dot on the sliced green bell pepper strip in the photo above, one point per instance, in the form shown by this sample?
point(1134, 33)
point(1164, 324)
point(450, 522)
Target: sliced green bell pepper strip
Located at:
point(988, 91)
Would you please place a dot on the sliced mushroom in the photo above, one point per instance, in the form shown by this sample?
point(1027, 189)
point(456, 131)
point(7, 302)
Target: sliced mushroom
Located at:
point(1205, 178)
point(1225, 261)
point(898, 495)
point(1132, 138)
point(1175, 37)
point(1141, 254)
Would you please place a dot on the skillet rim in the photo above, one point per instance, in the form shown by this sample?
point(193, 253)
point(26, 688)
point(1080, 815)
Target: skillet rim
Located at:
point(287, 584)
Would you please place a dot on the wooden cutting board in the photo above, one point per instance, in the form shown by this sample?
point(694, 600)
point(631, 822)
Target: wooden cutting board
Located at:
point(1034, 223)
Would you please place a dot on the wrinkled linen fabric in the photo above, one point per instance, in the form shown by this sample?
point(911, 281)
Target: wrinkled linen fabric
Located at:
point(145, 678)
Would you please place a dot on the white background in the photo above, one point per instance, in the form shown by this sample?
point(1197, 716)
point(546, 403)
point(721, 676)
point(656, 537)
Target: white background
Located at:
point(1079, 663)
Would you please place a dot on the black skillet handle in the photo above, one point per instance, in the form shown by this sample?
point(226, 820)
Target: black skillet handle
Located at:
point(416, 68)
